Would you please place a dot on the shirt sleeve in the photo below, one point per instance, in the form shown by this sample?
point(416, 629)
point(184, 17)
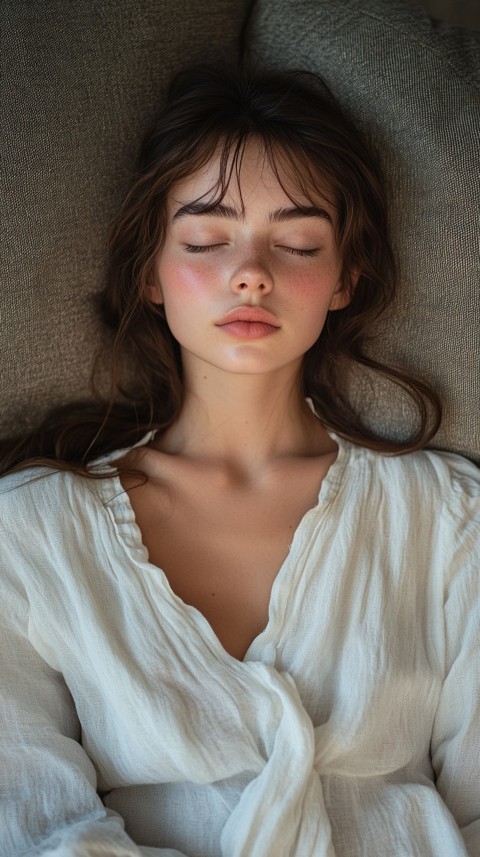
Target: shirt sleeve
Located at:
point(49, 805)
point(455, 745)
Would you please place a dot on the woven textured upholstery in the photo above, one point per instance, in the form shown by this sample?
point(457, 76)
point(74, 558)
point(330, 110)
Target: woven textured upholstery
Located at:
point(412, 85)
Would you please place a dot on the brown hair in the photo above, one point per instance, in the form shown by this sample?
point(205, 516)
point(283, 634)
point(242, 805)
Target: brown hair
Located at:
point(303, 132)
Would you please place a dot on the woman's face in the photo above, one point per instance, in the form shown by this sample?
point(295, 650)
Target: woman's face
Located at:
point(247, 290)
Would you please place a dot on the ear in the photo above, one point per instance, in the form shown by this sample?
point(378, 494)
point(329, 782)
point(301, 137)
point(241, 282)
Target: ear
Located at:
point(344, 292)
point(153, 293)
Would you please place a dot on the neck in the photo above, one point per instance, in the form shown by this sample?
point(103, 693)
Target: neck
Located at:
point(245, 423)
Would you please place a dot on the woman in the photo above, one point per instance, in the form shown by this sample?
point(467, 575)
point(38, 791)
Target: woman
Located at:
point(237, 621)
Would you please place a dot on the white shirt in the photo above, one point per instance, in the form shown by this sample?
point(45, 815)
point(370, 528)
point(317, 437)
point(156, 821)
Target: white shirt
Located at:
point(351, 728)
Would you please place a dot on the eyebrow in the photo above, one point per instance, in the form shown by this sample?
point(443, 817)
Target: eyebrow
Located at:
point(298, 212)
point(278, 216)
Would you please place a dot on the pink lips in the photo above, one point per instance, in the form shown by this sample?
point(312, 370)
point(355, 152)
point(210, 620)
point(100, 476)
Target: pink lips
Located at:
point(249, 322)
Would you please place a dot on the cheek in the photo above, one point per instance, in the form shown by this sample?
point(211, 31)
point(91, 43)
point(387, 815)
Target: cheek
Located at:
point(314, 291)
point(184, 279)
point(307, 295)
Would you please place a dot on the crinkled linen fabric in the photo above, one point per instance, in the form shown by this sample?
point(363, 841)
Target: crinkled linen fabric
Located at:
point(351, 727)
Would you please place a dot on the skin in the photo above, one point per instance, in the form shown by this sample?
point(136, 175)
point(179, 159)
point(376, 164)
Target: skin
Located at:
point(215, 514)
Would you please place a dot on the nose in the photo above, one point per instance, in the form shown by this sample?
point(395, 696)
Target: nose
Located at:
point(252, 277)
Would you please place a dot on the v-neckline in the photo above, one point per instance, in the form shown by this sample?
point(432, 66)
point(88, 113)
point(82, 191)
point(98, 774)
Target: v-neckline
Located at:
point(129, 536)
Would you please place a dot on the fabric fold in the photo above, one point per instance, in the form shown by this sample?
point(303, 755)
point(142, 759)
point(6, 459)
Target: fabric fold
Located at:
point(284, 803)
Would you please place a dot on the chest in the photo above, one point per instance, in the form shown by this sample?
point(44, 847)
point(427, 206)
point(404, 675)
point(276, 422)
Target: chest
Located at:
point(351, 631)
point(222, 548)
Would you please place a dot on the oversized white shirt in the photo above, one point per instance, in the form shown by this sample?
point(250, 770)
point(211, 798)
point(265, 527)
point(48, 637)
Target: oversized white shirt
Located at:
point(350, 729)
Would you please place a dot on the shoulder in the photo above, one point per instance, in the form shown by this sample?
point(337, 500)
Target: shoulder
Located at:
point(431, 495)
point(429, 489)
point(446, 476)
point(42, 507)
point(43, 489)
point(54, 530)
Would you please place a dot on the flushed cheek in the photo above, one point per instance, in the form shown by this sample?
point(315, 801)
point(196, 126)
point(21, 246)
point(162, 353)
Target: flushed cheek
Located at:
point(186, 279)
point(306, 296)
point(314, 293)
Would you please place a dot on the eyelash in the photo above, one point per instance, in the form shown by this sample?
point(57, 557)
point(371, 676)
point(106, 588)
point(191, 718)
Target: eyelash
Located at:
point(206, 248)
point(301, 252)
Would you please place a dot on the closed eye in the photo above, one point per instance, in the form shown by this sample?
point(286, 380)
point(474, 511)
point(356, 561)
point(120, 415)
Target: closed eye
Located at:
point(201, 248)
point(206, 248)
point(296, 252)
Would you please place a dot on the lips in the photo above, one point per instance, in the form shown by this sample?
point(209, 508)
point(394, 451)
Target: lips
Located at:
point(252, 315)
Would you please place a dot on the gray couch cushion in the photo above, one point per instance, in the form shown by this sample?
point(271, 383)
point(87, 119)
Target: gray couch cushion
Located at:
point(412, 85)
point(80, 83)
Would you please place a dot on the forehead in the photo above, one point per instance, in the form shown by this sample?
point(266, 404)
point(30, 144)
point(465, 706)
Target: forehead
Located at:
point(251, 175)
